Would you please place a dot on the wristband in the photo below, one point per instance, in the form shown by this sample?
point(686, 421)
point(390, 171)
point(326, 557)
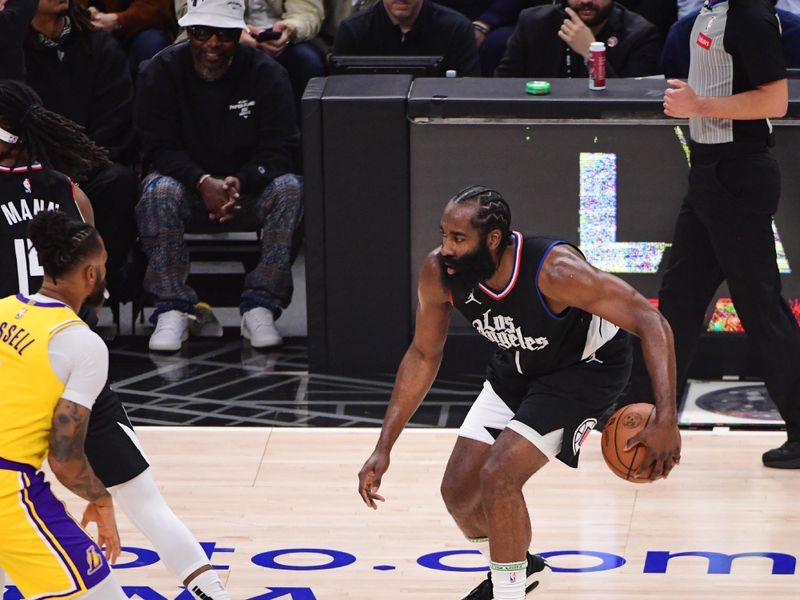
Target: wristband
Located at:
point(201, 180)
point(480, 27)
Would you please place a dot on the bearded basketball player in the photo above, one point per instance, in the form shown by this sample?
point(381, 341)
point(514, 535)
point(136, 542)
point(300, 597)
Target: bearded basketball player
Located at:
point(563, 358)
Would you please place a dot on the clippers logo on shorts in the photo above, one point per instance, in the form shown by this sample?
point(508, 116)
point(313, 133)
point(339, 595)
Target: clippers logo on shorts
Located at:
point(581, 433)
point(704, 41)
point(502, 331)
point(94, 560)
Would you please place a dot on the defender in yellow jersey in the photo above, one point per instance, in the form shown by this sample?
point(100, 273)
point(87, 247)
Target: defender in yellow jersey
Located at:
point(35, 175)
point(52, 366)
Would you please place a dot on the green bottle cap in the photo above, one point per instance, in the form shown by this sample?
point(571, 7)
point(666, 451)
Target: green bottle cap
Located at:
point(537, 88)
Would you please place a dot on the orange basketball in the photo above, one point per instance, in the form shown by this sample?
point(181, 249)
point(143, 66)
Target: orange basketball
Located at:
point(623, 425)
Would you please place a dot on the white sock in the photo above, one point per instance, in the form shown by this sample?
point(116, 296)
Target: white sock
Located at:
point(482, 544)
point(144, 505)
point(2, 581)
point(207, 586)
point(508, 580)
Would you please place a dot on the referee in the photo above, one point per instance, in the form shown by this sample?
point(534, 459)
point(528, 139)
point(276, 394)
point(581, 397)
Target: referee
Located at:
point(737, 82)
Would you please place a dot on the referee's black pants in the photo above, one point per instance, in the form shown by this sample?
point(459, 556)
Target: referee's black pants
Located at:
point(724, 232)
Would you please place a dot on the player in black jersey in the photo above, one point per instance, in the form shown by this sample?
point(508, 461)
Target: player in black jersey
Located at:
point(563, 358)
point(34, 142)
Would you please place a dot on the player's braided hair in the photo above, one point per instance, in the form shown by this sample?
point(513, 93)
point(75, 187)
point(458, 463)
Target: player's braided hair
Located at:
point(62, 242)
point(45, 136)
point(493, 211)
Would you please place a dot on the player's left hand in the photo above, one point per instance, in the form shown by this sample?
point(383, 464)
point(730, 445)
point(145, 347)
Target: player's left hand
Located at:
point(369, 478)
point(680, 101)
point(102, 512)
point(663, 443)
point(576, 34)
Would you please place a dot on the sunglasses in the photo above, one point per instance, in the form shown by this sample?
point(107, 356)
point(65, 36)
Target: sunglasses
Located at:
point(203, 33)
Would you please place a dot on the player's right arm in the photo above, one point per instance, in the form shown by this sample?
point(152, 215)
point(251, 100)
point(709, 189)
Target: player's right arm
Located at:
point(80, 360)
point(414, 377)
point(69, 464)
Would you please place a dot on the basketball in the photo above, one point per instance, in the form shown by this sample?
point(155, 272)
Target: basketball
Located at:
point(623, 425)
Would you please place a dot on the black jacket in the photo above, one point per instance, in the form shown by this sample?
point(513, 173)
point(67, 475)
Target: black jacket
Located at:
point(14, 21)
point(633, 46)
point(242, 124)
point(89, 83)
point(438, 31)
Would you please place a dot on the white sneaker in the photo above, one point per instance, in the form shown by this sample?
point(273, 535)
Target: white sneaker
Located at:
point(172, 329)
point(258, 326)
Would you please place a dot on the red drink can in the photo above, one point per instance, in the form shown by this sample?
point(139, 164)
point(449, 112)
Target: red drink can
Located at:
point(597, 66)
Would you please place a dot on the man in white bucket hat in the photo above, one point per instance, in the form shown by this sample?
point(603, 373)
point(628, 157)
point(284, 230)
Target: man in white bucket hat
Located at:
point(217, 123)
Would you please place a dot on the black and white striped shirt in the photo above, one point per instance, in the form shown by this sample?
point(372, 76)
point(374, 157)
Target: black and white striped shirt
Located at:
point(735, 46)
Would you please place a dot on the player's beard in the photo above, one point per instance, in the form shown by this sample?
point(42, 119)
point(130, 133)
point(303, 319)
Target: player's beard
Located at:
point(470, 269)
point(96, 298)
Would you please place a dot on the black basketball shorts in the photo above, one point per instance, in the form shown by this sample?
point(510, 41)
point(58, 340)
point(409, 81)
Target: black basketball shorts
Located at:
point(556, 411)
point(113, 450)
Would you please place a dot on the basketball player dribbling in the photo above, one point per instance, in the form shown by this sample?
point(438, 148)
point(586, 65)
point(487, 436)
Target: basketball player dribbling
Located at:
point(35, 145)
point(563, 359)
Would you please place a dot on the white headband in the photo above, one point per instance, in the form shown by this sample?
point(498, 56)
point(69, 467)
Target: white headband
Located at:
point(8, 137)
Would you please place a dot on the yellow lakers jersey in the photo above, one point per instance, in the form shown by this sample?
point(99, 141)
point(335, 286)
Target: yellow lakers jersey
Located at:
point(29, 389)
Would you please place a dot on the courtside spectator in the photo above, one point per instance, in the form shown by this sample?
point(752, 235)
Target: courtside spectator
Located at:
point(551, 41)
point(217, 123)
point(411, 28)
point(82, 73)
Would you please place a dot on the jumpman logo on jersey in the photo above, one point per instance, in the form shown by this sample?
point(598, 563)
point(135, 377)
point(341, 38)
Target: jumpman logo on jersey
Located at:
point(472, 298)
point(593, 358)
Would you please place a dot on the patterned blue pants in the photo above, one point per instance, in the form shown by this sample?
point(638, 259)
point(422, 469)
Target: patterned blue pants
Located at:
point(167, 209)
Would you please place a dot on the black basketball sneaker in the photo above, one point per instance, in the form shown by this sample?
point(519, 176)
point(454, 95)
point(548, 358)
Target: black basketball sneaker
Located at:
point(538, 572)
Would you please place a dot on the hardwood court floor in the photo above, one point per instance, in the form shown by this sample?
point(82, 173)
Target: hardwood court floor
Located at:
point(257, 490)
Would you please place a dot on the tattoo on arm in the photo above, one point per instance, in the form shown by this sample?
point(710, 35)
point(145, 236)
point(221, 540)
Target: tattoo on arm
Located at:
point(67, 457)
